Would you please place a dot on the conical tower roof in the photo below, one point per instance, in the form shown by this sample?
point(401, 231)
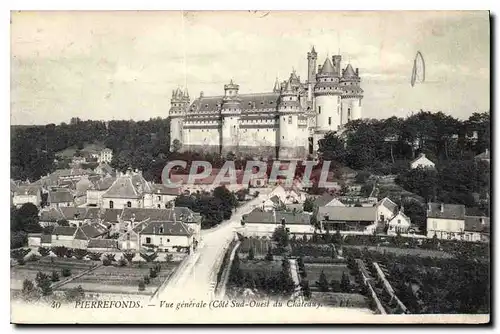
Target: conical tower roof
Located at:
point(288, 87)
point(349, 72)
point(186, 93)
point(327, 66)
point(276, 86)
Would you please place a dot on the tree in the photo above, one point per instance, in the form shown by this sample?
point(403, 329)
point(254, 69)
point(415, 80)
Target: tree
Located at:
point(306, 290)
point(43, 251)
point(280, 235)
point(130, 256)
point(345, 283)
point(308, 205)
point(44, 283)
point(322, 283)
point(332, 148)
point(66, 272)
point(55, 276)
point(75, 294)
point(62, 222)
point(176, 145)
point(80, 253)
point(28, 287)
point(142, 285)
point(251, 254)
point(269, 255)
point(149, 257)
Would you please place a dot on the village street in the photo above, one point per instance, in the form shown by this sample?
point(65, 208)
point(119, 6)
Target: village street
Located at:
point(197, 278)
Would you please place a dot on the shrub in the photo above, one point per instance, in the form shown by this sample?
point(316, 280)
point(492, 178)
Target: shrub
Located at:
point(28, 287)
point(21, 262)
point(33, 258)
point(251, 254)
point(152, 273)
point(158, 268)
point(75, 294)
point(60, 251)
point(69, 253)
point(129, 256)
point(149, 257)
point(110, 257)
point(106, 262)
point(80, 253)
point(122, 262)
point(142, 286)
point(66, 272)
point(146, 279)
point(169, 258)
point(19, 254)
point(95, 256)
point(55, 276)
point(43, 251)
point(269, 255)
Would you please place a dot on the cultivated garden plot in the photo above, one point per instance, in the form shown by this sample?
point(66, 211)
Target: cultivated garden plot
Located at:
point(124, 279)
point(260, 245)
point(332, 271)
point(47, 265)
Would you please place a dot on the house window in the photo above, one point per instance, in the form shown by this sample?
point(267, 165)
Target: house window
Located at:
point(161, 241)
point(161, 229)
point(399, 221)
point(159, 206)
point(168, 240)
point(148, 240)
point(329, 121)
point(319, 109)
point(348, 113)
point(111, 204)
point(382, 218)
point(289, 119)
point(128, 236)
point(129, 204)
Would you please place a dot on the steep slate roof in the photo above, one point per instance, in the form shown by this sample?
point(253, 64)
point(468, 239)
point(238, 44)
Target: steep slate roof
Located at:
point(51, 215)
point(93, 213)
point(269, 217)
point(60, 196)
point(93, 230)
point(72, 213)
point(80, 235)
point(349, 72)
point(340, 213)
point(111, 215)
point(248, 103)
point(390, 205)
point(104, 183)
point(475, 224)
point(141, 214)
point(166, 228)
point(103, 243)
point(275, 199)
point(64, 230)
point(122, 188)
point(327, 67)
point(450, 211)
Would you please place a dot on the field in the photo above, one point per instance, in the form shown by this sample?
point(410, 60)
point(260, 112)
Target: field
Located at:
point(113, 279)
point(29, 270)
point(333, 271)
point(405, 251)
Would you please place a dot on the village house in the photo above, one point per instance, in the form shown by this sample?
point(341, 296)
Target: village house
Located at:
point(105, 169)
point(126, 192)
point(27, 194)
point(102, 245)
point(358, 219)
point(449, 221)
point(105, 156)
point(423, 162)
point(263, 223)
point(50, 217)
point(97, 189)
point(161, 196)
point(327, 200)
point(60, 198)
point(273, 203)
point(70, 237)
point(388, 213)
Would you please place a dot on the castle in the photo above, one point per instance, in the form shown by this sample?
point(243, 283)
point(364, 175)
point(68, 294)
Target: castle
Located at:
point(285, 123)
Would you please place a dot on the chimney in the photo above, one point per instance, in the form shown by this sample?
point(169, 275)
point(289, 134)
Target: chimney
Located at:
point(319, 68)
point(201, 94)
point(357, 71)
point(429, 208)
point(442, 207)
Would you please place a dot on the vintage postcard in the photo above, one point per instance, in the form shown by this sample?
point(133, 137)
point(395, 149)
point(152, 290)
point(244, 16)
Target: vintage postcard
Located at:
point(233, 167)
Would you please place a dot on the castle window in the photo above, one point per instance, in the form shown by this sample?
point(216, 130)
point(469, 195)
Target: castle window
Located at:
point(284, 119)
point(129, 204)
point(290, 98)
point(111, 204)
point(329, 121)
point(283, 137)
point(289, 119)
point(319, 109)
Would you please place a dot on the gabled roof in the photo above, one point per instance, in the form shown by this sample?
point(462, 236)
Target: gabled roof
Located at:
point(111, 215)
point(275, 199)
point(72, 213)
point(166, 228)
point(64, 230)
point(275, 217)
point(421, 156)
point(94, 230)
point(142, 214)
point(51, 215)
point(162, 189)
point(339, 213)
point(80, 235)
point(390, 205)
point(477, 224)
point(450, 211)
point(104, 183)
point(93, 213)
point(60, 196)
point(323, 199)
point(122, 188)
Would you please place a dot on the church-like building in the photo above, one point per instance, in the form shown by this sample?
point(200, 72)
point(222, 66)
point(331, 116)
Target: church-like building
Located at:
point(285, 123)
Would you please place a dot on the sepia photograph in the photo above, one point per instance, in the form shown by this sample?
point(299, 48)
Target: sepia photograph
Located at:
point(250, 167)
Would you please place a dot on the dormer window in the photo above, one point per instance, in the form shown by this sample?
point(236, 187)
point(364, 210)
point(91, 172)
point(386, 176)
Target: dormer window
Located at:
point(161, 229)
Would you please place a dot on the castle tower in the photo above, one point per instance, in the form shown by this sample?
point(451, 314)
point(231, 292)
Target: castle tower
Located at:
point(336, 60)
point(277, 86)
point(327, 95)
point(311, 73)
point(230, 113)
point(352, 95)
point(290, 141)
point(178, 106)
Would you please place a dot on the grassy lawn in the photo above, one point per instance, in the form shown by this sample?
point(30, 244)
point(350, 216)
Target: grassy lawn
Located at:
point(121, 279)
point(29, 270)
point(333, 271)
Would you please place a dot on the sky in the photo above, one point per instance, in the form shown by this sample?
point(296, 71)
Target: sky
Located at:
point(124, 65)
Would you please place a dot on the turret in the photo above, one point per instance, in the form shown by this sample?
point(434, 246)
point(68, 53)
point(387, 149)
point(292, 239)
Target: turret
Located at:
point(311, 65)
point(327, 94)
point(230, 112)
point(289, 109)
point(277, 87)
point(178, 106)
point(352, 94)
